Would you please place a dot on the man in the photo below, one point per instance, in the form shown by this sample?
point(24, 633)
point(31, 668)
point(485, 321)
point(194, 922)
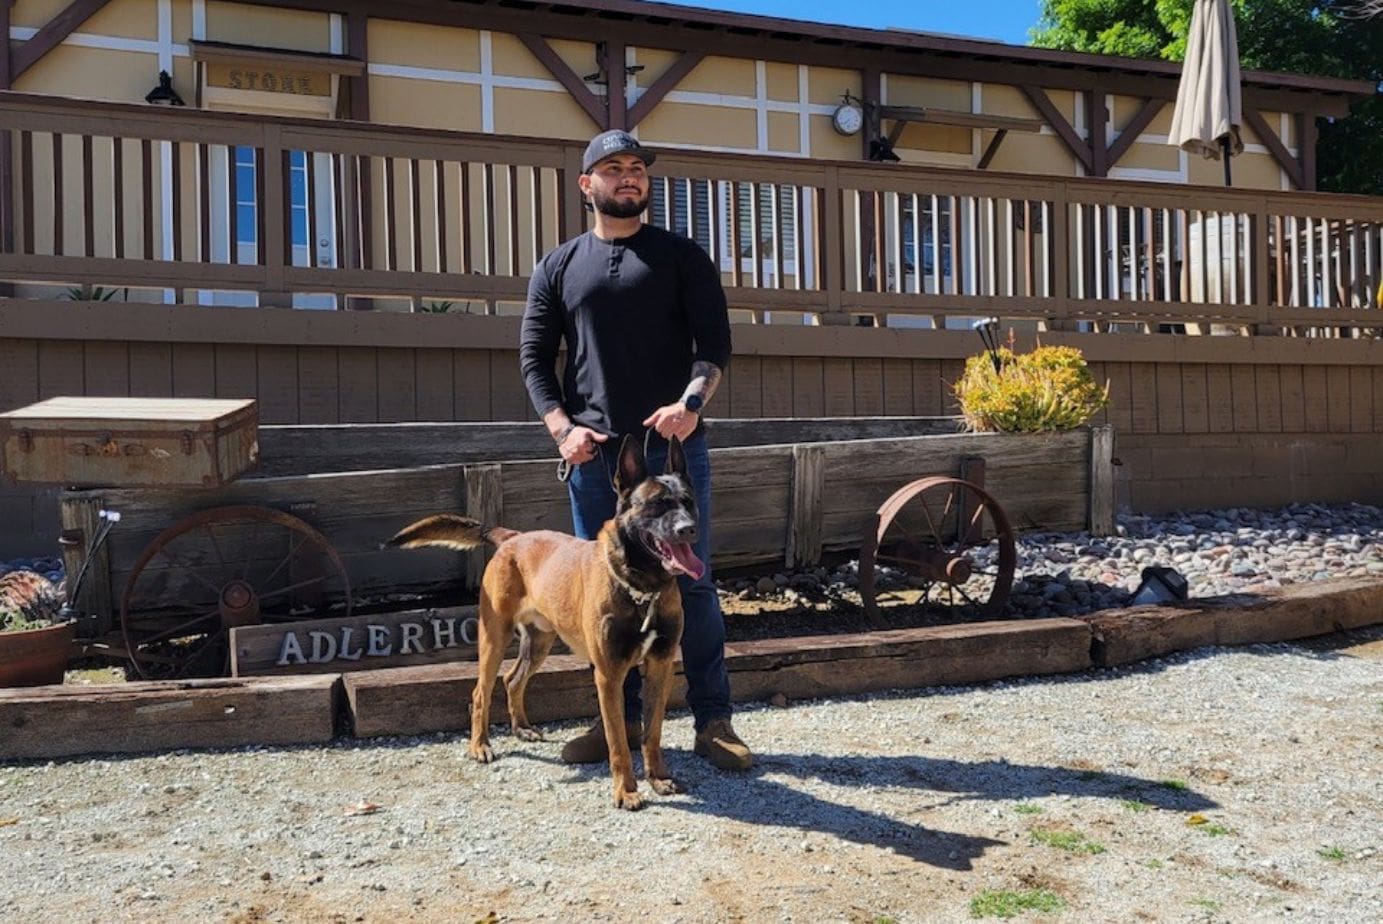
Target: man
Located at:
point(647, 336)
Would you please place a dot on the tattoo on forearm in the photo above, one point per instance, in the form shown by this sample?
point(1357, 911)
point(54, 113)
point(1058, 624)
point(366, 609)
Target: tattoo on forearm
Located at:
point(705, 378)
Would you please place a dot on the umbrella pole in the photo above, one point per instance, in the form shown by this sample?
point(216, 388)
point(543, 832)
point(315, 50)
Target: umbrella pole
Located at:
point(1224, 148)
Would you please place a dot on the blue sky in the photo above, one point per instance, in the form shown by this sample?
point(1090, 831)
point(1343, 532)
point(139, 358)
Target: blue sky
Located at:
point(1004, 20)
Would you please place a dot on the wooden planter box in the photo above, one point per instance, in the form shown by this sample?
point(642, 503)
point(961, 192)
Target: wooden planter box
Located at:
point(785, 491)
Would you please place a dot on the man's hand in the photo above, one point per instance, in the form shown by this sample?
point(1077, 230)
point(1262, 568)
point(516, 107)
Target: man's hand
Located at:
point(581, 444)
point(673, 420)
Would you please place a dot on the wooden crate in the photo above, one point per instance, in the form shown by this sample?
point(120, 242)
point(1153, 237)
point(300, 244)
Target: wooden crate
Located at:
point(130, 442)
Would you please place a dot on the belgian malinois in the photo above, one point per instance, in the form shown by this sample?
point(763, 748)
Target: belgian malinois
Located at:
point(613, 600)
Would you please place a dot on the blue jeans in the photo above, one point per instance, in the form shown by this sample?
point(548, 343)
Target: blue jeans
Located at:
point(703, 632)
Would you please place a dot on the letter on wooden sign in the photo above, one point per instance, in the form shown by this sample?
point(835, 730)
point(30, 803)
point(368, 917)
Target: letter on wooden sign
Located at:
point(411, 638)
point(290, 649)
point(470, 630)
point(323, 646)
point(379, 641)
point(346, 632)
point(444, 633)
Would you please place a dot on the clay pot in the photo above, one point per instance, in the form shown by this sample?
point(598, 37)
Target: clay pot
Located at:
point(34, 657)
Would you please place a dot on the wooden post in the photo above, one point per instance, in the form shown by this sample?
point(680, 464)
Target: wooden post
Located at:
point(274, 242)
point(484, 502)
point(80, 518)
point(804, 519)
point(1101, 481)
point(1058, 232)
point(832, 249)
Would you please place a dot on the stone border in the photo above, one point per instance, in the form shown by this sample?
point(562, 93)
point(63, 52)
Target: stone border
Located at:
point(47, 722)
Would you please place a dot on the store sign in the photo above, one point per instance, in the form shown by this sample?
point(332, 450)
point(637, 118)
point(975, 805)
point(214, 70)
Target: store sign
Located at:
point(267, 78)
point(356, 643)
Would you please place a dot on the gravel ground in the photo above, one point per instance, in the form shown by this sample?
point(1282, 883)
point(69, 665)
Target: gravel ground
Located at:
point(1223, 784)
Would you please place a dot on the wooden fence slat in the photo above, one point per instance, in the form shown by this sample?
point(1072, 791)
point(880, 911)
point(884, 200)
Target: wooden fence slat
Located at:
point(484, 501)
point(804, 517)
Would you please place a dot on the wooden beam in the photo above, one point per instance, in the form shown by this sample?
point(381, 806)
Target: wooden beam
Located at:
point(616, 84)
point(1306, 149)
point(662, 86)
point(1043, 104)
point(1097, 112)
point(992, 148)
point(1254, 120)
point(871, 89)
point(358, 43)
point(962, 119)
point(52, 35)
point(566, 77)
point(1141, 120)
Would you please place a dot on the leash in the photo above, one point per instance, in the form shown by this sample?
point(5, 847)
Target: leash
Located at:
point(564, 468)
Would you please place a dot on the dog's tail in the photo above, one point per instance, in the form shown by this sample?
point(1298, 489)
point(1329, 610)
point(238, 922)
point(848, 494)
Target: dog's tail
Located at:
point(450, 531)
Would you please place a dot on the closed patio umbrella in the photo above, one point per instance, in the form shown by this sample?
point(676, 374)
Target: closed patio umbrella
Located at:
point(1209, 109)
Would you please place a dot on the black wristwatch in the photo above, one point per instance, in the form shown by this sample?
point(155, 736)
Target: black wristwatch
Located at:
point(693, 403)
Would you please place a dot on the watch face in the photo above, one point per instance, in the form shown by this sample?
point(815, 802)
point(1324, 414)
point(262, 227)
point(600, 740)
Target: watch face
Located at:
point(847, 119)
point(693, 402)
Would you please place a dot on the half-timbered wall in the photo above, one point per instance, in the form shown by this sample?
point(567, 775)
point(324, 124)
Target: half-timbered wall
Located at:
point(425, 75)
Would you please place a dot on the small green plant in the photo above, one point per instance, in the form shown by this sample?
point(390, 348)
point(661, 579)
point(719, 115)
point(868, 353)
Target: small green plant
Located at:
point(436, 307)
point(1334, 854)
point(1028, 808)
point(1050, 388)
point(1134, 805)
point(1178, 785)
point(90, 293)
point(1214, 829)
point(1153, 863)
point(1209, 904)
point(1005, 903)
point(1070, 841)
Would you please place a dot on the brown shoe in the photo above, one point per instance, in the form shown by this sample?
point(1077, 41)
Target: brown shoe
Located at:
point(590, 748)
point(719, 744)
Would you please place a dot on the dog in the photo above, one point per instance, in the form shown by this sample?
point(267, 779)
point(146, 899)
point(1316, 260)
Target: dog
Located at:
point(613, 600)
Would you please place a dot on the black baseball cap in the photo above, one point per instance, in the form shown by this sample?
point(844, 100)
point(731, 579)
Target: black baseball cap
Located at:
point(608, 144)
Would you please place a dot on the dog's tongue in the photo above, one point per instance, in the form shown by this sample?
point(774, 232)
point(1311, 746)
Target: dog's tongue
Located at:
point(681, 557)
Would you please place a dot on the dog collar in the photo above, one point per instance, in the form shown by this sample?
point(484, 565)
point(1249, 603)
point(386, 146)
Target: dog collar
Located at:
point(640, 597)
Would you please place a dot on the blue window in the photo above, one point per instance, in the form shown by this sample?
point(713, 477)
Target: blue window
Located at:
point(246, 200)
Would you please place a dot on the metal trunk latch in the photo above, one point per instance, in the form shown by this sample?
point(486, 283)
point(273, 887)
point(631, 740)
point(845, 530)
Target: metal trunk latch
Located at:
point(26, 440)
point(188, 442)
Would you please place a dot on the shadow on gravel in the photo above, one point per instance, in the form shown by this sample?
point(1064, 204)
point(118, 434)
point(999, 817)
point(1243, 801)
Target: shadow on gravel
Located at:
point(762, 797)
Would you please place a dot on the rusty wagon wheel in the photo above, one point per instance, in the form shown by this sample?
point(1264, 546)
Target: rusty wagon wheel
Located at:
point(944, 541)
point(221, 568)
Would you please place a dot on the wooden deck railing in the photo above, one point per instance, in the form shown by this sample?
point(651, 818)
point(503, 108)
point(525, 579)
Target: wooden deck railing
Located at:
point(217, 208)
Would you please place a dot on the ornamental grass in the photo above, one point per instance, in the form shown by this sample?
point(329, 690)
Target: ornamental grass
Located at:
point(1050, 388)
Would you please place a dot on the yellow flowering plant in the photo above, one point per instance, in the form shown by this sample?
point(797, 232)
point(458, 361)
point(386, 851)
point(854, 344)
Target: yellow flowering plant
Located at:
point(1050, 388)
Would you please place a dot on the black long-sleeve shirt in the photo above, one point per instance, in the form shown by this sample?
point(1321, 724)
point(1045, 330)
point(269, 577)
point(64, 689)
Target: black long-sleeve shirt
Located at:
point(635, 313)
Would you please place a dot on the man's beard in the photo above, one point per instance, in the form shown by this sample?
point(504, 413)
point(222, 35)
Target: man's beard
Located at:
point(618, 208)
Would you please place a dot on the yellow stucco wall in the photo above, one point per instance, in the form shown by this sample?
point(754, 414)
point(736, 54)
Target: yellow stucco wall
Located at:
point(270, 26)
point(418, 45)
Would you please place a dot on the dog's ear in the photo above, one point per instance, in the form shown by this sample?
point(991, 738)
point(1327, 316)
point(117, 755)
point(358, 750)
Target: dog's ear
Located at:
point(676, 460)
point(632, 468)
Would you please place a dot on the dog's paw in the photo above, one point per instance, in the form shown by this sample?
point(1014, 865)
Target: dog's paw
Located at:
point(665, 786)
point(629, 801)
point(482, 753)
point(527, 733)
